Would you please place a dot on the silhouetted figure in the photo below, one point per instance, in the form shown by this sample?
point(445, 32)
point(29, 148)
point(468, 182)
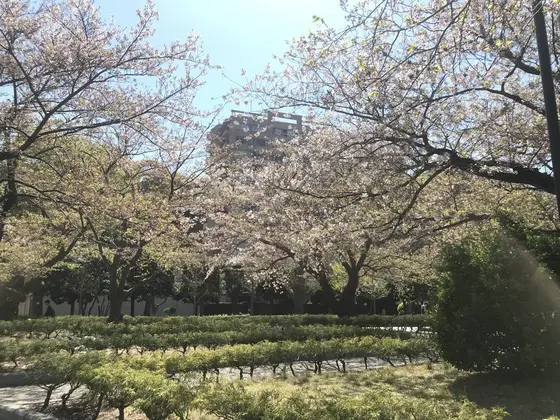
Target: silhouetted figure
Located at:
point(50, 311)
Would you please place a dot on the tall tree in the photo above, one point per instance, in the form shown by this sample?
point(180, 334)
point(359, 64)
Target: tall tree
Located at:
point(453, 83)
point(67, 75)
point(326, 202)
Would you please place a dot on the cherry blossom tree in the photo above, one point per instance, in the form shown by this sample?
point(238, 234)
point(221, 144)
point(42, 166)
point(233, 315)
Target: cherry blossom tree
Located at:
point(326, 202)
point(70, 82)
point(451, 84)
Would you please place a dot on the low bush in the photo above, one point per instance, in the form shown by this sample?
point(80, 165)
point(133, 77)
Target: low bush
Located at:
point(13, 349)
point(233, 401)
point(79, 326)
point(496, 309)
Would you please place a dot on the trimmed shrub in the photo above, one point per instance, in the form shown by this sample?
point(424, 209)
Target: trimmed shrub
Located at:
point(496, 308)
point(233, 401)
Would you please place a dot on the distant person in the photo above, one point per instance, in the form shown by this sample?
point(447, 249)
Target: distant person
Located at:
point(401, 307)
point(423, 309)
point(50, 311)
point(383, 312)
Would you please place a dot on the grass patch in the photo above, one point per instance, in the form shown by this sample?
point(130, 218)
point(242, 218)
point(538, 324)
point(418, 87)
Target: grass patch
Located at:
point(521, 398)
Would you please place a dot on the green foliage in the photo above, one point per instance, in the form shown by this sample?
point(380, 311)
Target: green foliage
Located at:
point(97, 326)
point(496, 308)
point(234, 401)
point(272, 354)
point(170, 311)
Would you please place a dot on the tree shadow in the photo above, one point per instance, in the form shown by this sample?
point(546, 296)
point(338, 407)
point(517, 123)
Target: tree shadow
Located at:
point(522, 398)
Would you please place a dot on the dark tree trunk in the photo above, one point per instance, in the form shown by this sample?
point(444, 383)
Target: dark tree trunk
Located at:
point(72, 307)
point(299, 303)
point(10, 197)
point(47, 399)
point(150, 309)
point(116, 296)
point(147, 307)
point(115, 311)
point(11, 294)
point(347, 302)
point(330, 297)
point(132, 302)
point(299, 290)
point(98, 406)
point(233, 304)
point(92, 305)
point(252, 300)
point(121, 412)
point(9, 310)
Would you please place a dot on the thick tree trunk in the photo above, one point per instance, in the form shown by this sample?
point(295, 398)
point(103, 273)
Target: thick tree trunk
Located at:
point(115, 311)
point(299, 290)
point(116, 295)
point(10, 197)
point(98, 406)
point(299, 303)
point(72, 307)
point(47, 399)
point(11, 294)
point(330, 297)
point(132, 302)
point(116, 290)
point(149, 306)
point(92, 306)
point(347, 302)
point(121, 412)
point(9, 310)
point(252, 301)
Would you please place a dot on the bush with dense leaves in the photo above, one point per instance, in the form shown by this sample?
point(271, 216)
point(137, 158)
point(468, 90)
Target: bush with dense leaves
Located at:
point(81, 326)
point(233, 401)
point(496, 308)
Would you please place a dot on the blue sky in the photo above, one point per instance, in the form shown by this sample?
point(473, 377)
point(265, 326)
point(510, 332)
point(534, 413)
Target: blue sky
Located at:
point(237, 34)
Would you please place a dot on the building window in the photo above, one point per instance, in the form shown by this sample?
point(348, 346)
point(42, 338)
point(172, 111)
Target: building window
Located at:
point(260, 142)
point(253, 127)
point(291, 134)
point(280, 132)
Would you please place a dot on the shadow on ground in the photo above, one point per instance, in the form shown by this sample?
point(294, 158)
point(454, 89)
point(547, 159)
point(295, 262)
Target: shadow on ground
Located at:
point(525, 399)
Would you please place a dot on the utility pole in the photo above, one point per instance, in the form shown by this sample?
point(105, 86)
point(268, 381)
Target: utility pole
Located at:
point(549, 95)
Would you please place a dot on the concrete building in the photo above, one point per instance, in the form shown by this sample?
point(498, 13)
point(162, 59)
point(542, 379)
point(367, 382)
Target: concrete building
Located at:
point(250, 133)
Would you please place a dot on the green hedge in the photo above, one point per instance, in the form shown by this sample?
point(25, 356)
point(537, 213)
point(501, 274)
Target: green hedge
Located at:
point(98, 326)
point(146, 388)
point(266, 354)
point(161, 385)
point(12, 349)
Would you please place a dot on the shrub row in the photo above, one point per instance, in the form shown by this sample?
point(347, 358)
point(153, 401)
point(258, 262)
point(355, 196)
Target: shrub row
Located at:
point(247, 358)
point(98, 326)
point(146, 388)
point(112, 383)
point(14, 349)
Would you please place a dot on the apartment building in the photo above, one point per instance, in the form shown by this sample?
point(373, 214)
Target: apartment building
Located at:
point(250, 133)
